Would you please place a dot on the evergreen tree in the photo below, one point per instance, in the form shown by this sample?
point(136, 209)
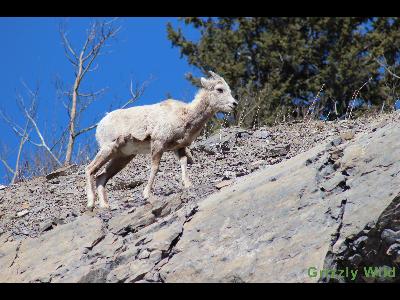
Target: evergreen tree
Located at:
point(278, 65)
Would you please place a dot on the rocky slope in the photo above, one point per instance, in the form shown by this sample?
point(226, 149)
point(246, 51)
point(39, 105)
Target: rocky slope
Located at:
point(266, 206)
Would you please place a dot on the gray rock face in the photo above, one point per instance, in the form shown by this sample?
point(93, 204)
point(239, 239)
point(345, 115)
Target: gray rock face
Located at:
point(261, 229)
point(55, 256)
point(264, 230)
point(324, 201)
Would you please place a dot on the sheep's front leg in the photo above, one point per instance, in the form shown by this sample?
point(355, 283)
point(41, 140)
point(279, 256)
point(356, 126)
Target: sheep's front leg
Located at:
point(156, 153)
point(182, 154)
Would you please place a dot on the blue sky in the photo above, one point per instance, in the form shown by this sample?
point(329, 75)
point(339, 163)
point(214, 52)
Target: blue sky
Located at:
point(31, 50)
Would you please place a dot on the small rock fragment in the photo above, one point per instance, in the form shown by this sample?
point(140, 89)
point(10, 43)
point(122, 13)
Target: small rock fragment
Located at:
point(261, 134)
point(61, 171)
point(223, 184)
point(393, 249)
point(347, 135)
point(144, 254)
point(25, 205)
point(390, 236)
point(22, 213)
point(229, 174)
point(279, 150)
point(336, 142)
point(355, 260)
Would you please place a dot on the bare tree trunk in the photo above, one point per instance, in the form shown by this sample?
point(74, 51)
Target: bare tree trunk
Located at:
point(72, 135)
point(24, 138)
point(95, 41)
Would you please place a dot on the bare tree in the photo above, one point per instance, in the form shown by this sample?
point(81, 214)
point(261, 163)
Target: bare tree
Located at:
point(50, 149)
point(97, 36)
point(22, 132)
point(25, 132)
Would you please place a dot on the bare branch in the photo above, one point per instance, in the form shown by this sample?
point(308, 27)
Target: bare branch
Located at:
point(30, 116)
point(111, 21)
point(94, 68)
point(23, 140)
point(67, 44)
point(7, 166)
point(91, 36)
point(23, 133)
point(111, 32)
point(86, 129)
point(384, 65)
point(85, 69)
point(89, 99)
point(15, 127)
point(71, 61)
point(137, 93)
point(60, 139)
point(43, 143)
point(93, 94)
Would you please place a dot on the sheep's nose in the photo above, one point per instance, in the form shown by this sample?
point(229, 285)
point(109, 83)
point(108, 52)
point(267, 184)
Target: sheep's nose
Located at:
point(235, 103)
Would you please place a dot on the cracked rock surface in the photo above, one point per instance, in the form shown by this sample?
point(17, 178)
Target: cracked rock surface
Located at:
point(266, 205)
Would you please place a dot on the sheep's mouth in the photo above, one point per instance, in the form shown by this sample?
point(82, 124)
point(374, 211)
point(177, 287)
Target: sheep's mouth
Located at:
point(228, 108)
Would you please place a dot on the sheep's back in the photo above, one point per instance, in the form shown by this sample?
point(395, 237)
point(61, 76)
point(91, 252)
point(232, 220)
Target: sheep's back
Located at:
point(123, 122)
point(140, 122)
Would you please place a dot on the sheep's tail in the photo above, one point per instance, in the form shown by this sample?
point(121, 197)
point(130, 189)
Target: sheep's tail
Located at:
point(100, 132)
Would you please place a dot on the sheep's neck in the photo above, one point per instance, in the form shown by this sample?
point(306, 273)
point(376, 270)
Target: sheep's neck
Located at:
point(199, 112)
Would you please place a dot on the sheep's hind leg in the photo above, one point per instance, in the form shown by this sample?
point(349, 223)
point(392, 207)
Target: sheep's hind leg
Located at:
point(101, 158)
point(183, 158)
point(115, 165)
point(189, 156)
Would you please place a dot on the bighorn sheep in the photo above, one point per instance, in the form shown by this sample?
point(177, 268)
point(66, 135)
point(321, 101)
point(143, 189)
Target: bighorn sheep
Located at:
point(167, 126)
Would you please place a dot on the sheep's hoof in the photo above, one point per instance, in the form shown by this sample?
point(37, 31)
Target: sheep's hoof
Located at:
point(146, 194)
point(147, 202)
point(104, 206)
point(188, 184)
point(89, 211)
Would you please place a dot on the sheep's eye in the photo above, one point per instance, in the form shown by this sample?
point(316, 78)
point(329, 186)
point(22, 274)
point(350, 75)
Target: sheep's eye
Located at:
point(220, 90)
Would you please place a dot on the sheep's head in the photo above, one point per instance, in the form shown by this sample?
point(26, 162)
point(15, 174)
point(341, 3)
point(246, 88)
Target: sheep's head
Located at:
point(220, 94)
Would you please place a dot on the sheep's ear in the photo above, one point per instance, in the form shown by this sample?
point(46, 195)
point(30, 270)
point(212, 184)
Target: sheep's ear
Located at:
point(206, 83)
point(214, 75)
